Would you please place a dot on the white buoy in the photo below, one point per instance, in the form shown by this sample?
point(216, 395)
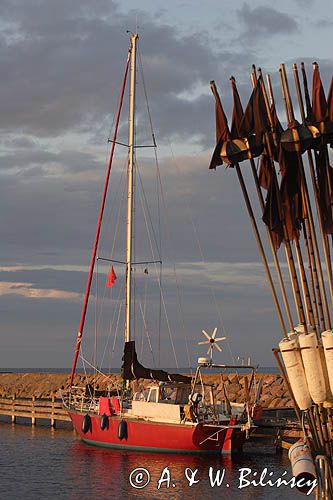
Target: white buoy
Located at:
point(327, 338)
point(313, 367)
point(328, 403)
point(302, 465)
point(293, 362)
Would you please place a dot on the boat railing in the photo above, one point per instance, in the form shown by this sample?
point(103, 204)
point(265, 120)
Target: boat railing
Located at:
point(78, 398)
point(216, 412)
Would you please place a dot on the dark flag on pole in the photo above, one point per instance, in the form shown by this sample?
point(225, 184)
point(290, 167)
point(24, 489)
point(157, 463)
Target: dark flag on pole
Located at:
point(319, 103)
point(322, 110)
point(324, 196)
point(111, 279)
point(238, 113)
point(276, 122)
point(265, 172)
point(272, 215)
point(309, 114)
point(255, 119)
point(222, 129)
point(291, 193)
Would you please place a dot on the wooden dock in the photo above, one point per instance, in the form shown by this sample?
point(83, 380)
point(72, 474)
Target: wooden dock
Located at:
point(32, 408)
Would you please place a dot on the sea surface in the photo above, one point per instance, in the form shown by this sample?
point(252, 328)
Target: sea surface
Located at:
point(39, 463)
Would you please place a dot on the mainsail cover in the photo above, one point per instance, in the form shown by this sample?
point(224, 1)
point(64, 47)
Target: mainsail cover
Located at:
point(132, 369)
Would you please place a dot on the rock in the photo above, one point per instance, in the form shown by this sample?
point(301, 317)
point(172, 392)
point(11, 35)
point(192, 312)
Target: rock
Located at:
point(275, 403)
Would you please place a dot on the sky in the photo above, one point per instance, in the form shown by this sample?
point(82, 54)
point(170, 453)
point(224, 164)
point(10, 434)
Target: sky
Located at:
point(62, 64)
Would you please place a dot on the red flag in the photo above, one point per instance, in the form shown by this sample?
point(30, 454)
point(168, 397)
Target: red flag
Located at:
point(325, 200)
point(222, 129)
point(265, 172)
point(309, 114)
point(291, 195)
point(111, 279)
point(319, 103)
point(272, 216)
point(237, 114)
point(255, 119)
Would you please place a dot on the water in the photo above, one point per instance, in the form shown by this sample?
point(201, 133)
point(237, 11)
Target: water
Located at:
point(43, 464)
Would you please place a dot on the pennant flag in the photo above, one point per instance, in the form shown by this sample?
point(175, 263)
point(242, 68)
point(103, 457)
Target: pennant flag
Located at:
point(309, 115)
point(319, 103)
point(255, 118)
point(265, 172)
point(238, 113)
point(276, 122)
point(111, 279)
point(325, 200)
point(222, 129)
point(291, 194)
point(272, 215)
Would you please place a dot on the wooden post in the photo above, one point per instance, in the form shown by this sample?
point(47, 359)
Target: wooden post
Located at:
point(290, 117)
point(306, 197)
point(33, 419)
point(261, 248)
point(273, 250)
point(288, 250)
point(313, 276)
point(305, 287)
point(314, 431)
point(13, 409)
point(269, 234)
point(259, 242)
point(53, 422)
point(315, 190)
point(323, 424)
point(314, 281)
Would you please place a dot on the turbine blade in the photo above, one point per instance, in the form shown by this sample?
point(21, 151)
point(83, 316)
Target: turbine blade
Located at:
point(204, 342)
point(218, 347)
point(214, 333)
point(206, 334)
point(220, 338)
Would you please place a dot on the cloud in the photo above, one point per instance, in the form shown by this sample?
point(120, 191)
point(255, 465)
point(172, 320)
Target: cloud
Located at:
point(60, 210)
point(208, 292)
point(62, 71)
point(305, 3)
point(63, 67)
point(29, 291)
point(261, 22)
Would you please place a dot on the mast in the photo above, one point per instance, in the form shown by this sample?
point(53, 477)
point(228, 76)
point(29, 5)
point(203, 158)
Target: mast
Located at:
point(129, 227)
point(98, 229)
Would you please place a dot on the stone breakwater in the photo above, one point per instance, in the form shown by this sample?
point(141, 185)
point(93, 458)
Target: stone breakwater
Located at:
point(44, 385)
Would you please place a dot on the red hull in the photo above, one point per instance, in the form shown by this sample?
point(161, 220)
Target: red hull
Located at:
point(168, 438)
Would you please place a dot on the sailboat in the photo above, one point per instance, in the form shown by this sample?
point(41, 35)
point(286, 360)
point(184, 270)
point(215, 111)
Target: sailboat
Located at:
point(175, 413)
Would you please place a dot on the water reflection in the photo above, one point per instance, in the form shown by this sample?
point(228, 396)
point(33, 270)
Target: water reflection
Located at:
point(38, 463)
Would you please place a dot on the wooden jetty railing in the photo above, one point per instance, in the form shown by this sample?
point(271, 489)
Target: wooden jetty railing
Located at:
point(32, 408)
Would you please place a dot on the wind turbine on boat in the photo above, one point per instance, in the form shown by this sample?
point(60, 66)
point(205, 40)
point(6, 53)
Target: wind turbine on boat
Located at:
point(212, 341)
